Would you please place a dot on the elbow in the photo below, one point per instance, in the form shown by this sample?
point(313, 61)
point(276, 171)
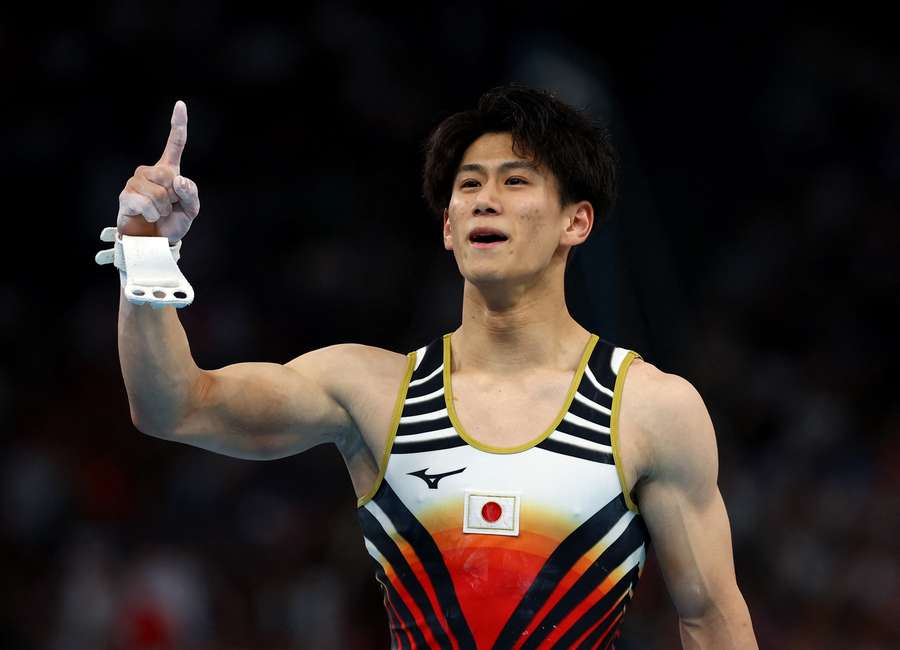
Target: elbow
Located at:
point(693, 601)
point(715, 621)
point(162, 419)
point(148, 427)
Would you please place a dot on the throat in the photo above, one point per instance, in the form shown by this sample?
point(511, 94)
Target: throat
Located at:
point(535, 331)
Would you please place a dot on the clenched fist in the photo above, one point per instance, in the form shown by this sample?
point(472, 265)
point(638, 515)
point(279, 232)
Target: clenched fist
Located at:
point(158, 201)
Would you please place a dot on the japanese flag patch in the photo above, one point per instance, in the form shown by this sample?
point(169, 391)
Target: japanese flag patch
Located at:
point(491, 513)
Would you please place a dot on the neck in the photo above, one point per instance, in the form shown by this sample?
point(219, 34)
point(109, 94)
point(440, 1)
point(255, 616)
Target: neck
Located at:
point(506, 331)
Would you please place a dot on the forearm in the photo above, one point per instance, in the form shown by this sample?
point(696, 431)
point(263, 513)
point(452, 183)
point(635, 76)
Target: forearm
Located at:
point(725, 627)
point(159, 372)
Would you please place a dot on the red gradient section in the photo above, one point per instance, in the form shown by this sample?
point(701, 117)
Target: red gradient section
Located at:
point(491, 573)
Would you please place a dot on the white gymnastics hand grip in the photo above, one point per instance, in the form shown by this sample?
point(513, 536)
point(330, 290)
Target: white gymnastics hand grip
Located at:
point(147, 269)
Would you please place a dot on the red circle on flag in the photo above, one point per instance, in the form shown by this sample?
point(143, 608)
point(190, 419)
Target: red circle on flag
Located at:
point(491, 511)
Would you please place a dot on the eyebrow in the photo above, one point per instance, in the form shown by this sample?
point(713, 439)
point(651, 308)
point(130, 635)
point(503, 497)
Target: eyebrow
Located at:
point(502, 167)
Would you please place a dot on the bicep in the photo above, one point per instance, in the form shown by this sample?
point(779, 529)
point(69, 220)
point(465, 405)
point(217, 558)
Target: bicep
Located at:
point(266, 410)
point(682, 506)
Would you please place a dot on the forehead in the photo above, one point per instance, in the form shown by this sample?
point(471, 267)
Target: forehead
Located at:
point(490, 147)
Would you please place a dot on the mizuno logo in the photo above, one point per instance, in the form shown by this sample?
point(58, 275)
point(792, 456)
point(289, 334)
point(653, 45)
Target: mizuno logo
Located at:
point(432, 480)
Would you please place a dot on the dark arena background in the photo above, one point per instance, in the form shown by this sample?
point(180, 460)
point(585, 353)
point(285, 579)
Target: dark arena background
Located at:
point(753, 251)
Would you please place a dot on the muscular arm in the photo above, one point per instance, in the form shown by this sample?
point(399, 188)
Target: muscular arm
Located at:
point(246, 410)
point(684, 512)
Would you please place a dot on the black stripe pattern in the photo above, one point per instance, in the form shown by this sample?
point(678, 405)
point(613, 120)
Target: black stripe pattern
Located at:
point(609, 560)
point(424, 411)
point(428, 553)
point(406, 616)
point(425, 424)
point(592, 404)
point(389, 550)
point(584, 436)
point(558, 564)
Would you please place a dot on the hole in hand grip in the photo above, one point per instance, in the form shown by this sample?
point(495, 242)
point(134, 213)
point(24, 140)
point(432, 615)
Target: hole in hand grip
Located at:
point(151, 274)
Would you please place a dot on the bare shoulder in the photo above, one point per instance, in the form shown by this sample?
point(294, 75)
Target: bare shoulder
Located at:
point(349, 371)
point(364, 380)
point(669, 418)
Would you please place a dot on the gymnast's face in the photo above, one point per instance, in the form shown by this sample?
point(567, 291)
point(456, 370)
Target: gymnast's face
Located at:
point(504, 222)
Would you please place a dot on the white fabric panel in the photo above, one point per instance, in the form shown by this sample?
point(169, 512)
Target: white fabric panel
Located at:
point(566, 494)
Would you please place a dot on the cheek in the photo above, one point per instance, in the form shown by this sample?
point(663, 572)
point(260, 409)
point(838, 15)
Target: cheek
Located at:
point(454, 209)
point(456, 204)
point(534, 220)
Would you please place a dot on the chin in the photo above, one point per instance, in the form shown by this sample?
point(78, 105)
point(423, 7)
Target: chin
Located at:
point(489, 276)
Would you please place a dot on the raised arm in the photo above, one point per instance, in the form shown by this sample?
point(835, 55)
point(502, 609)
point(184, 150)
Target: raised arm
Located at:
point(679, 499)
point(247, 410)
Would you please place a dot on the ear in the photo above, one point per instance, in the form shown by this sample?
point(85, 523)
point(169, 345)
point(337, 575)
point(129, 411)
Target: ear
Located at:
point(448, 236)
point(580, 222)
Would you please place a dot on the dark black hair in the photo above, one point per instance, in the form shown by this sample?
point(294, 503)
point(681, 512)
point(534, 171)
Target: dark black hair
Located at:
point(545, 129)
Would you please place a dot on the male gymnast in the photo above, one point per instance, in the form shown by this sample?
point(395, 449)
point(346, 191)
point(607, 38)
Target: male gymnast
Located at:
point(510, 473)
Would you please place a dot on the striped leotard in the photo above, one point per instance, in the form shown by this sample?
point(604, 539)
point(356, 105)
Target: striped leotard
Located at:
point(536, 546)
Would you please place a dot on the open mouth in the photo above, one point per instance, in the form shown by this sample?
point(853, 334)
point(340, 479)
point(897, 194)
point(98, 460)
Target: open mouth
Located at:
point(486, 239)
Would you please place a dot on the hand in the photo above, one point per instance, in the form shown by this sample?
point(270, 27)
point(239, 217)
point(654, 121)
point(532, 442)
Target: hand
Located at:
point(158, 201)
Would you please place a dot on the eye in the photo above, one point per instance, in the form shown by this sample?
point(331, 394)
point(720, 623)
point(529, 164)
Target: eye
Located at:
point(516, 180)
point(469, 182)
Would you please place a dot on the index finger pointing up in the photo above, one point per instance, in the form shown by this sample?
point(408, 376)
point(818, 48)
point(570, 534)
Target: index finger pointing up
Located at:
point(177, 136)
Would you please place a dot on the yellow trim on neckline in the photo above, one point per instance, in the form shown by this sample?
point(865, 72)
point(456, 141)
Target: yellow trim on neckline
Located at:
point(392, 431)
point(451, 412)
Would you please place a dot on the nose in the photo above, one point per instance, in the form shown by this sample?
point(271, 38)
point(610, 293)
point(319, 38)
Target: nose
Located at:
point(486, 202)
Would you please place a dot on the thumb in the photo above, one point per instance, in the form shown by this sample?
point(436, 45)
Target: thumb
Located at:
point(188, 196)
point(177, 136)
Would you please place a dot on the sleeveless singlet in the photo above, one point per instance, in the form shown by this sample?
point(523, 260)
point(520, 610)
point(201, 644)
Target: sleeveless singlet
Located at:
point(536, 546)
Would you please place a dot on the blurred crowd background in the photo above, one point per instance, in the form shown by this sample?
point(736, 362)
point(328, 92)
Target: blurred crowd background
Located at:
point(753, 251)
